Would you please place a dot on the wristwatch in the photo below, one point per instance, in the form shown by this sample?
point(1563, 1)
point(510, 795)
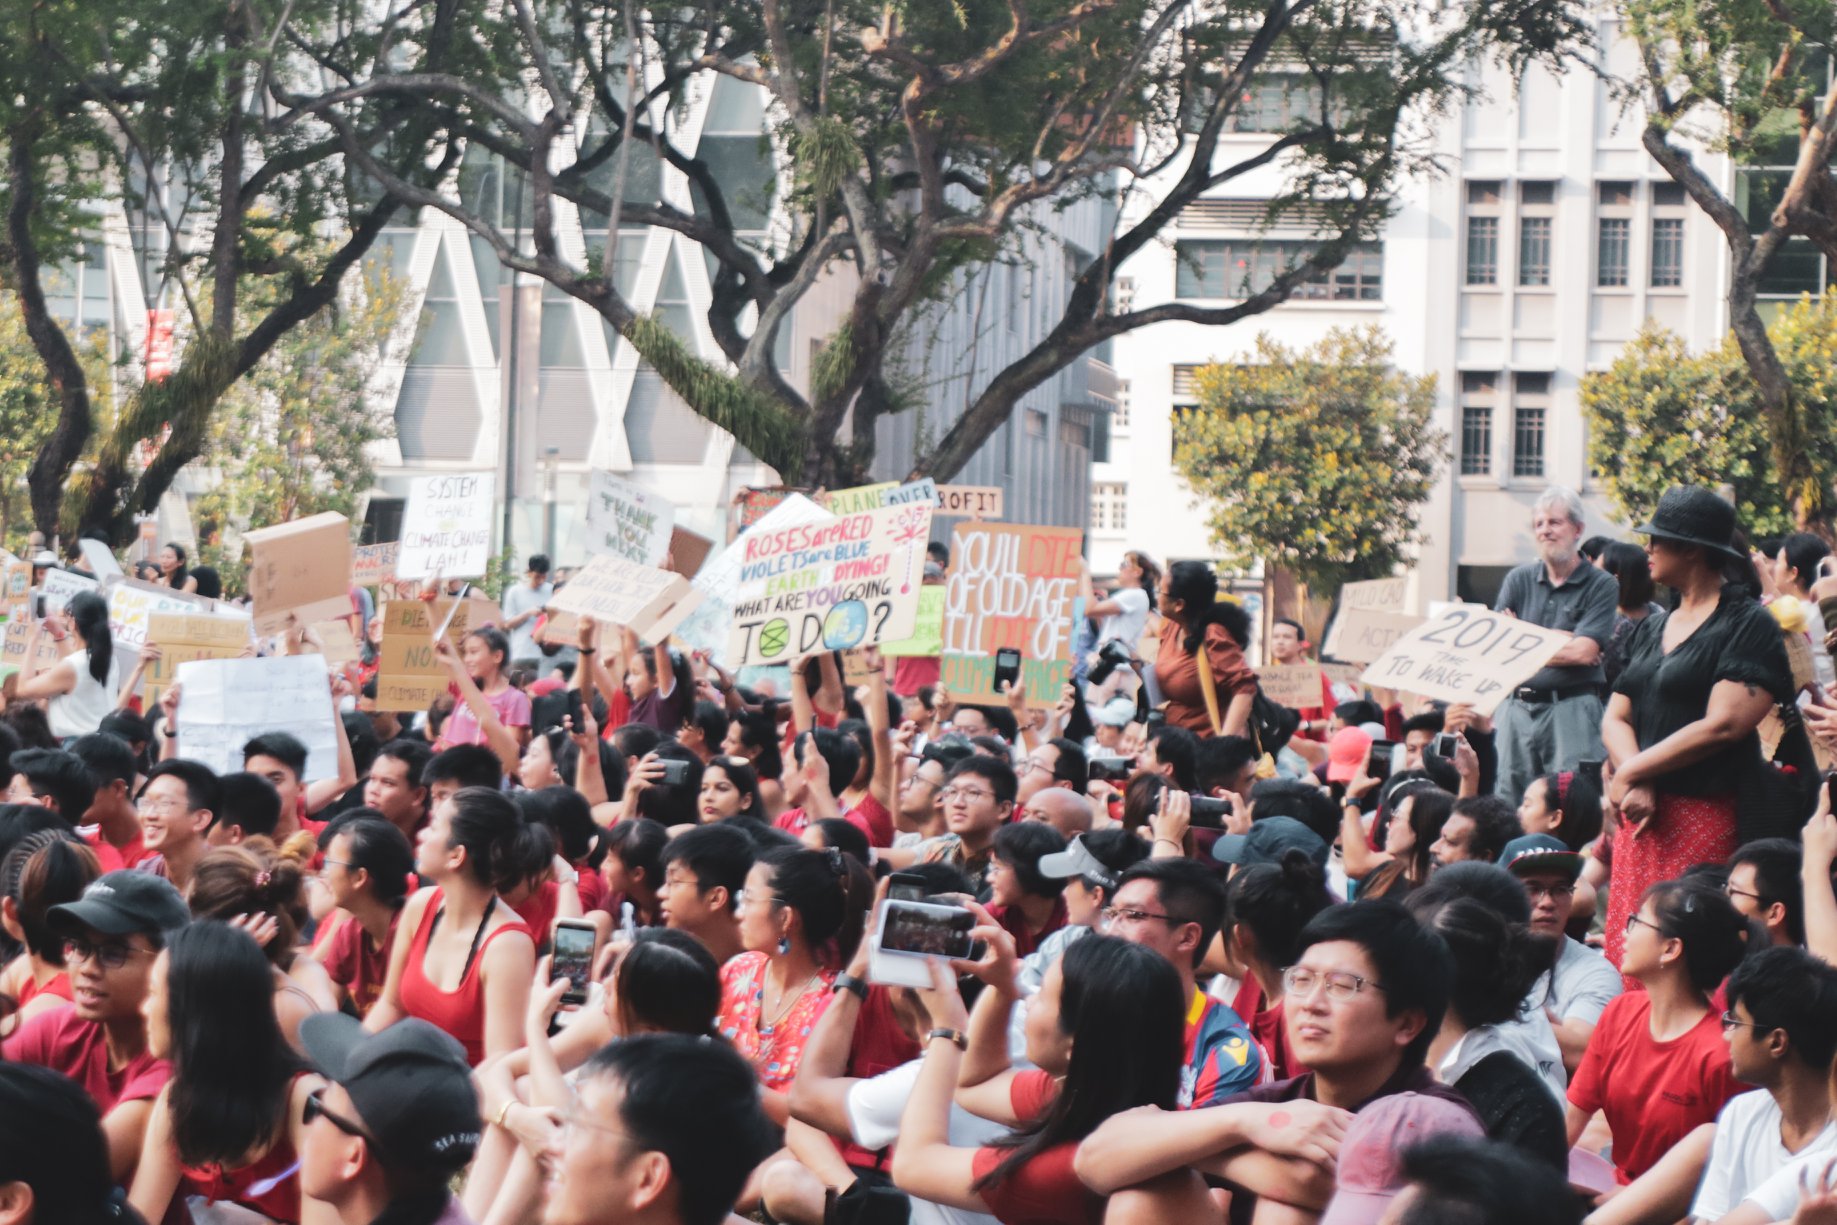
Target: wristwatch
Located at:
point(955, 1037)
point(851, 984)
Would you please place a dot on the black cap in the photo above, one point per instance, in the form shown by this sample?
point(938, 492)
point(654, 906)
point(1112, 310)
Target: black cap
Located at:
point(122, 903)
point(410, 1084)
point(1268, 841)
point(1534, 853)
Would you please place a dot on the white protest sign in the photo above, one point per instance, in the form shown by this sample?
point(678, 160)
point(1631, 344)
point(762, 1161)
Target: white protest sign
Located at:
point(626, 520)
point(60, 585)
point(225, 702)
point(848, 583)
point(101, 561)
point(647, 601)
point(446, 528)
point(719, 578)
point(1364, 634)
point(1468, 654)
point(131, 603)
point(1378, 595)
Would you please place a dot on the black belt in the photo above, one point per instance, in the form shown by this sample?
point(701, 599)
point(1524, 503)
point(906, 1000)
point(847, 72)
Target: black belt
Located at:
point(1540, 696)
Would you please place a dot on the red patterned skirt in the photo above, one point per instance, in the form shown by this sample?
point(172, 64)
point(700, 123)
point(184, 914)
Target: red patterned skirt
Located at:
point(1686, 830)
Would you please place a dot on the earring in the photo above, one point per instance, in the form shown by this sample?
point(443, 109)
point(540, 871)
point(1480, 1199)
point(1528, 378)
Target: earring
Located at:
point(784, 945)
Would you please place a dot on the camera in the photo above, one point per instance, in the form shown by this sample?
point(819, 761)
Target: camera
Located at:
point(675, 773)
point(1209, 811)
point(1110, 656)
point(1109, 769)
point(1445, 744)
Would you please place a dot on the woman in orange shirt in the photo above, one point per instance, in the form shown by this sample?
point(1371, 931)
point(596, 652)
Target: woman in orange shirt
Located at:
point(1189, 602)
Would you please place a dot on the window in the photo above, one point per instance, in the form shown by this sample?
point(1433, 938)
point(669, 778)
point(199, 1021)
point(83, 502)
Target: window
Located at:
point(1235, 268)
point(1036, 423)
point(1536, 222)
point(1477, 395)
point(1667, 236)
point(1274, 102)
point(1483, 233)
point(1530, 406)
point(1119, 416)
point(1109, 507)
point(1614, 235)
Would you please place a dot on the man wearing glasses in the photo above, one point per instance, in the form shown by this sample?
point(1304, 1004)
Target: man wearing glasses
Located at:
point(177, 808)
point(978, 799)
point(112, 934)
point(1580, 982)
point(399, 1119)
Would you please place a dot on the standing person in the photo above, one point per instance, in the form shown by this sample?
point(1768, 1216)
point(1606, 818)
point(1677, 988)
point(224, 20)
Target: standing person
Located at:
point(1632, 570)
point(397, 1122)
point(1657, 1065)
point(523, 603)
point(368, 871)
point(228, 1125)
point(111, 937)
point(172, 570)
point(1195, 618)
point(81, 687)
point(1795, 569)
point(1680, 728)
point(461, 958)
point(1553, 720)
point(1288, 645)
point(1122, 616)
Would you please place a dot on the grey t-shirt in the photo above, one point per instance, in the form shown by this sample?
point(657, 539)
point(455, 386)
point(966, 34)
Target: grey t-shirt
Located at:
point(518, 600)
point(1583, 605)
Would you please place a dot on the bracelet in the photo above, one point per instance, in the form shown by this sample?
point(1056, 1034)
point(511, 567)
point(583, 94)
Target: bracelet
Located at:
point(955, 1037)
point(504, 1112)
point(170, 730)
point(849, 983)
point(1172, 843)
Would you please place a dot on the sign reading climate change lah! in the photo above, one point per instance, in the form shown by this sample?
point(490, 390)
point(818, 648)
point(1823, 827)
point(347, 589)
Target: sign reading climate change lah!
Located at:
point(850, 581)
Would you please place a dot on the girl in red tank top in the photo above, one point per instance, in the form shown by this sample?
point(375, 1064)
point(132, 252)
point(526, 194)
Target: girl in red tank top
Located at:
point(462, 959)
point(227, 1126)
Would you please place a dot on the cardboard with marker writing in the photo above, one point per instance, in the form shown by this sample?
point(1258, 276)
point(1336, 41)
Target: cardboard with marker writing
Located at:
point(1468, 654)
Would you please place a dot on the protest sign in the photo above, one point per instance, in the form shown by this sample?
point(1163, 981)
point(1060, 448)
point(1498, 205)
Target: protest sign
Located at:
point(924, 490)
point(184, 636)
point(1296, 686)
point(1467, 654)
point(688, 550)
point(372, 565)
point(1378, 595)
point(337, 641)
point(223, 703)
point(59, 586)
point(718, 580)
point(975, 501)
point(647, 601)
point(927, 630)
point(101, 561)
point(1364, 634)
point(626, 520)
point(1010, 587)
point(446, 528)
point(300, 571)
point(131, 602)
point(752, 505)
point(860, 498)
point(856, 670)
point(16, 594)
point(408, 677)
point(1343, 677)
point(850, 582)
point(28, 657)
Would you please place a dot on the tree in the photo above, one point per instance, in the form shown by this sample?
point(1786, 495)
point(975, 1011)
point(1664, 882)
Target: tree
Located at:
point(158, 108)
point(1663, 416)
point(292, 437)
point(1751, 79)
point(1317, 461)
point(25, 422)
point(921, 138)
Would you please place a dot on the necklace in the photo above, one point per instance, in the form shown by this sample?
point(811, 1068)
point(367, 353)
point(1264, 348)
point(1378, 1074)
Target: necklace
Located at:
point(785, 1005)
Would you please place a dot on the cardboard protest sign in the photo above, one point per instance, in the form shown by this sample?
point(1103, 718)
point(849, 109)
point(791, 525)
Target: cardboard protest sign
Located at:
point(446, 528)
point(408, 677)
point(223, 703)
point(101, 561)
point(856, 670)
point(1010, 587)
point(975, 501)
point(1364, 635)
point(337, 641)
point(301, 571)
point(16, 591)
point(131, 602)
point(1343, 676)
point(627, 520)
point(752, 505)
point(182, 637)
point(1468, 654)
point(1378, 595)
point(688, 550)
point(374, 564)
point(60, 585)
point(851, 582)
point(1296, 686)
point(647, 601)
point(718, 580)
point(927, 630)
point(860, 498)
point(27, 657)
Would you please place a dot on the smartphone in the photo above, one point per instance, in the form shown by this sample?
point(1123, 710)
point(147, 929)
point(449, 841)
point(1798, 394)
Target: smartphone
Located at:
point(1007, 668)
point(1589, 771)
point(1378, 765)
point(574, 708)
point(1830, 792)
point(926, 929)
point(39, 605)
point(675, 773)
point(1210, 811)
point(571, 955)
point(1445, 743)
point(1109, 769)
point(906, 887)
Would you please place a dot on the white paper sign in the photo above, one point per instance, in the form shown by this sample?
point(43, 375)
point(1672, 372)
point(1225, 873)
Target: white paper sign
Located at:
point(101, 561)
point(130, 604)
point(446, 528)
point(60, 585)
point(223, 703)
point(627, 520)
point(707, 629)
point(1468, 654)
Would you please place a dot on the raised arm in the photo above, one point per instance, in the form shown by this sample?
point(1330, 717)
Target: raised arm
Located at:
point(502, 740)
point(883, 783)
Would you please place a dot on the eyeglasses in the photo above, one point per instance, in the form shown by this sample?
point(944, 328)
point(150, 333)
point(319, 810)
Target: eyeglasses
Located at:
point(747, 895)
point(1031, 765)
point(342, 863)
point(1556, 893)
point(1634, 920)
point(968, 795)
point(1341, 985)
point(576, 1116)
point(1731, 1021)
point(1732, 891)
point(162, 807)
point(110, 956)
point(918, 781)
point(315, 1109)
point(672, 882)
point(1112, 915)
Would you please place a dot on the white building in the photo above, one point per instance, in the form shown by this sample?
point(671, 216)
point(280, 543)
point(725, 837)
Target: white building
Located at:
point(1534, 258)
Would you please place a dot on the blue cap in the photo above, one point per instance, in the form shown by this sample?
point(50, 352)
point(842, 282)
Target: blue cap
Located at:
point(1540, 853)
point(1268, 841)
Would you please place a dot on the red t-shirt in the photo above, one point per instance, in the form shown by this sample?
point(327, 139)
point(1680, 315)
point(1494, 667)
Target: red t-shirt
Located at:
point(1046, 1190)
point(879, 1045)
point(111, 857)
point(65, 1043)
point(355, 965)
point(1653, 1093)
point(538, 910)
point(870, 816)
point(1015, 924)
point(913, 672)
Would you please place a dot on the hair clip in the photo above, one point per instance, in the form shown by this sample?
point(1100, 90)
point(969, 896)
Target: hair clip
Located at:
point(262, 878)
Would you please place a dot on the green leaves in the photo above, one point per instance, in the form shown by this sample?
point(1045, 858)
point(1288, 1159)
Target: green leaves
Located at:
point(1316, 460)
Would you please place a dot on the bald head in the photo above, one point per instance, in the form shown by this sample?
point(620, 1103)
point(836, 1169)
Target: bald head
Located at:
point(1063, 809)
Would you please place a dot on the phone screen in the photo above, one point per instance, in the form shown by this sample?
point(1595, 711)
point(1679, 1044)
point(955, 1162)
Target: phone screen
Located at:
point(906, 887)
point(926, 929)
point(572, 959)
point(1007, 667)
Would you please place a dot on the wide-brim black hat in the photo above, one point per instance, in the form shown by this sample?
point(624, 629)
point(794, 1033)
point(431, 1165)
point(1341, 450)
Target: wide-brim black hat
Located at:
point(1691, 514)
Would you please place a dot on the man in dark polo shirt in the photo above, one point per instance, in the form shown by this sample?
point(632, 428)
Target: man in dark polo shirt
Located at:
point(1553, 720)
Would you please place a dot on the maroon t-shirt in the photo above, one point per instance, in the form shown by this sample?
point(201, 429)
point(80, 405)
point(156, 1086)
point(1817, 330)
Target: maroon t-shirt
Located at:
point(63, 1042)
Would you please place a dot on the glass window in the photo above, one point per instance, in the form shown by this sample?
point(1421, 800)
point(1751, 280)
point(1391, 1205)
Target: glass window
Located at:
point(1109, 507)
point(1477, 395)
point(1482, 250)
point(1612, 251)
point(1527, 441)
point(1667, 252)
point(1534, 250)
point(1234, 268)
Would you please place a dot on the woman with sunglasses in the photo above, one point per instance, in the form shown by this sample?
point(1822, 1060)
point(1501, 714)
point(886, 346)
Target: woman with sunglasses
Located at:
point(229, 1125)
point(1657, 1064)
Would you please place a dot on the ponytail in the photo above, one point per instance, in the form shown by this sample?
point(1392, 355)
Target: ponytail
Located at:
point(89, 613)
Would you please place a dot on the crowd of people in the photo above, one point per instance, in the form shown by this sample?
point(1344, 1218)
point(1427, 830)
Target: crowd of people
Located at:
point(611, 933)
